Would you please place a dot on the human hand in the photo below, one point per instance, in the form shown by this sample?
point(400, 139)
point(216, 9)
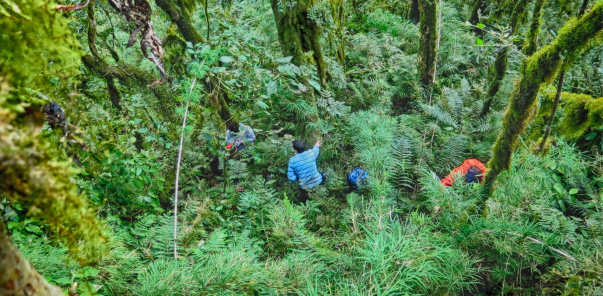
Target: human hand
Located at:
point(318, 143)
point(240, 188)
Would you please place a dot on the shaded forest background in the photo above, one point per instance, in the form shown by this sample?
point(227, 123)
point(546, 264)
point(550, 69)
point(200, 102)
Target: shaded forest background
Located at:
point(93, 98)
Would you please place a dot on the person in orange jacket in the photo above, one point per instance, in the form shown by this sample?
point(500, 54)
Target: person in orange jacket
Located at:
point(472, 169)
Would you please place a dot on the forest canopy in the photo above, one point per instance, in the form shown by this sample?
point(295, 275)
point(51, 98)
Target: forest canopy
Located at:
point(301, 147)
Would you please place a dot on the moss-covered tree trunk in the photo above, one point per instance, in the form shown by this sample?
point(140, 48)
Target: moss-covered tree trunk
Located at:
point(537, 69)
point(414, 14)
point(531, 43)
point(183, 21)
point(427, 41)
point(299, 34)
point(496, 72)
point(17, 275)
point(113, 92)
point(131, 76)
point(338, 14)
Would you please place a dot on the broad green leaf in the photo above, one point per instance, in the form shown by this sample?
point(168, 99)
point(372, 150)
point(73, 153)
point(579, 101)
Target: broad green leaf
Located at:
point(87, 272)
point(262, 105)
point(561, 204)
point(143, 130)
point(314, 84)
point(226, 59)
point(33, 229)
point(559, 188)
point(138, 171)
point(138, 183)
point(573, 191)
point(12, 225)
point(272, 87)
point(63, 281)
point(479, 41)
point(481, 26)
point(284, 60)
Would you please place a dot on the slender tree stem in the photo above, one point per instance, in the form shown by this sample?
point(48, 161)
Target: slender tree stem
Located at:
point(178, 169)
point(435, 63)
point(547, 131)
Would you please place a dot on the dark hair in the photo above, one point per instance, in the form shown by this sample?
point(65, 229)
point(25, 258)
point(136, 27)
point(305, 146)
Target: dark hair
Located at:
point(299, 146)
point(233, 126)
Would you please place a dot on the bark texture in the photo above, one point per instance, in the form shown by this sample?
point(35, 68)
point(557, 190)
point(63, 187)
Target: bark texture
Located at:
point(299, 34)
point(427, 41)
point(17, 275)
point(541, 67)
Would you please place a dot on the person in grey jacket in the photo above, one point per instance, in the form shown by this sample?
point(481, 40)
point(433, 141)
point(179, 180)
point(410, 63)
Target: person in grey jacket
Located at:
point(238, 136)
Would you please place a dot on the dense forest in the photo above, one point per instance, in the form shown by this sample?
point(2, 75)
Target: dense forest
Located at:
point(119, 175)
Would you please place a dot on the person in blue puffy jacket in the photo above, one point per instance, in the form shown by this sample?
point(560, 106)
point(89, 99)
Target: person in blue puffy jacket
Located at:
point(303, 168)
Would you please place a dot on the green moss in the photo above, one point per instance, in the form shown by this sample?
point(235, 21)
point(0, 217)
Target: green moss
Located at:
point(575, 115)
point(541, 67)
point(542, 114)
point(531, 42)
point(299, 34)
point(31, 169)
point(595, 112)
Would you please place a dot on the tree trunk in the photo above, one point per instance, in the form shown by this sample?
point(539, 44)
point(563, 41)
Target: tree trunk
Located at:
point(182, 21)
point(427, 41)
point(92, 29)
point(219, 99)
point(415, 13)
point(531, 43)
point(113, 93)
point(338, 14)
point(547, 131)
point(298, 34)
point(537, 69)
point(497, 71)
point(17, 275)
point(583, 7)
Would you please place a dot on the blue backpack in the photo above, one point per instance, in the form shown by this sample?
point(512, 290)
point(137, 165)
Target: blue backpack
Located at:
point(357, 177)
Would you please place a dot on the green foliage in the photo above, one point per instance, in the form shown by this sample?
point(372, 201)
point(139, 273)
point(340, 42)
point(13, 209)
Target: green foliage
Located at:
point(33, 171)
point(404, 234)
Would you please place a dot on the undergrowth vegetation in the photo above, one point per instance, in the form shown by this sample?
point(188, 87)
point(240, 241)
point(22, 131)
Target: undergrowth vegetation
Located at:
point(539, 233)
